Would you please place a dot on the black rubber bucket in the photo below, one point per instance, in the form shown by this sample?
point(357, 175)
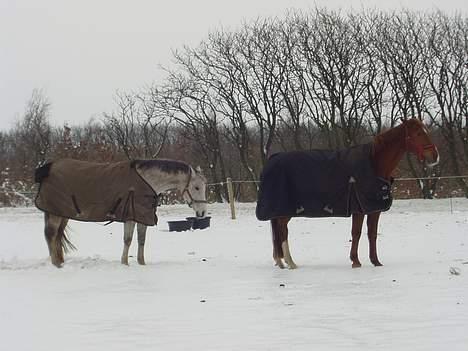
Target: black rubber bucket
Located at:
point(199, 223)
point(180, 226)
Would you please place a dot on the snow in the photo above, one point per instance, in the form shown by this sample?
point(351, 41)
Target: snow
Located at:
point(217, 289)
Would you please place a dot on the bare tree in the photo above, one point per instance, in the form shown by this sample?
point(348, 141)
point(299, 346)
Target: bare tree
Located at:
point(31, 137)
point(400, 46)
point(34, 128)
point(334, 64)
point(447, 73)
point(193, 107)
point(213, 64)
point(377, 86)
point(138, 127)
point(294, 130)
point(261, 76)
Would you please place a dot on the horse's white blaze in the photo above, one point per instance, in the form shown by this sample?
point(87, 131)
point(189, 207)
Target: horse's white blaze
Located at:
point(436, 162)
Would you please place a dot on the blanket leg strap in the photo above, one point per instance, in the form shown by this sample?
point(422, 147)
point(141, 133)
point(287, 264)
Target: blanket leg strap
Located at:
point(129, 202)
point(114, 208)
point(75, 204)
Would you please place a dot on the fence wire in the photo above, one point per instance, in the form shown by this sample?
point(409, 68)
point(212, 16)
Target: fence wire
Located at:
point(395, 179)
point(243, 191)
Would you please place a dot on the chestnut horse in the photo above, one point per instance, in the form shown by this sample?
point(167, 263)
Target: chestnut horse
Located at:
point(388, 149)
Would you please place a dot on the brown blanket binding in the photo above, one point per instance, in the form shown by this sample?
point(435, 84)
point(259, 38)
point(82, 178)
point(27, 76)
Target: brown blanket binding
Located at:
point(96, 192)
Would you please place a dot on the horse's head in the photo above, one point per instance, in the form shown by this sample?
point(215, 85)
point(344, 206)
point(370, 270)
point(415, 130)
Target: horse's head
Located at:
point(418, 142)
point(195, 192)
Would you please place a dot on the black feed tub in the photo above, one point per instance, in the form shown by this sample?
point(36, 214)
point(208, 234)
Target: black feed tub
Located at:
point(199, 223)
point(179, 226)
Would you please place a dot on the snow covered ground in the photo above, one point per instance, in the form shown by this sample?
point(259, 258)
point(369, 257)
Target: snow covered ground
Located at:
point(217, 289)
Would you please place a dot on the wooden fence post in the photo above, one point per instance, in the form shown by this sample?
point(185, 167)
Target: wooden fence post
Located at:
point(231, 197)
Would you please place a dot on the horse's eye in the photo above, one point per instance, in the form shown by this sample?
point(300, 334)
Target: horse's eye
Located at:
point(197, 188)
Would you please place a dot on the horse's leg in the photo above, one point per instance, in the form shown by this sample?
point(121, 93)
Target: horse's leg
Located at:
point(356, 229)
point(279, 229)
point(277, 238)
point(141, 229)
point(52, 225)
point(285, 244)
point(372, 224)
point(61, 238)
point(128, 236)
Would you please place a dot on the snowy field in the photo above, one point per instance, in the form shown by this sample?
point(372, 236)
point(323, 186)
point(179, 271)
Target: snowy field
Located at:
point(217, 289)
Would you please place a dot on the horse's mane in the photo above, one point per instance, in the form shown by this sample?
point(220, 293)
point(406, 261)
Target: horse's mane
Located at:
point(164, 165)
point(388, 137)
point(42, 172)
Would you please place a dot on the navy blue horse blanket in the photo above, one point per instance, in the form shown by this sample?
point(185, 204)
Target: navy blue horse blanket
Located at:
point(322, 183)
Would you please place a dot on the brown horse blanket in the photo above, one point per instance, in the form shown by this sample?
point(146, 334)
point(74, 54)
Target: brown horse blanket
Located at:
point(321, 183)
point(88, 191)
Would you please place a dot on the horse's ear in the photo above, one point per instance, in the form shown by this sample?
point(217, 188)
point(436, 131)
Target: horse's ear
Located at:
point(198, 170)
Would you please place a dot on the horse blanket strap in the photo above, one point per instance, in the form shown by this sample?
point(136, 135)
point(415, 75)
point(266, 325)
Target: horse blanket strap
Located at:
point(321, 183)
point(97, 192)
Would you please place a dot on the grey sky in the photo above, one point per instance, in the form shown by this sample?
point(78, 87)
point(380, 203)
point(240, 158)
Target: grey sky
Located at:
point(81, 52)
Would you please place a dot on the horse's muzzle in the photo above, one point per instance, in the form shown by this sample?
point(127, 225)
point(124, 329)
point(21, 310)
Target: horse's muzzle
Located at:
point(432, 153)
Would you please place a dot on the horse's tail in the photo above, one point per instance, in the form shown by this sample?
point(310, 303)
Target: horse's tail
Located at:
point(62, 233)
point(42, 172)
point(277, 237)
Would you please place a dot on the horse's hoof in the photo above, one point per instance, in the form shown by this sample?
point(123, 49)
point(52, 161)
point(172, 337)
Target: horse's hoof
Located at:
point(280, 265)
point(356, 265)
point(56, 262)
point(292, 266)
point(142, 263)
point(375, 261)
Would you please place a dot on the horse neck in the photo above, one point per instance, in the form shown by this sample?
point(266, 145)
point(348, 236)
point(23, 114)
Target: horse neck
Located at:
point(389, 148)
point(162, 181)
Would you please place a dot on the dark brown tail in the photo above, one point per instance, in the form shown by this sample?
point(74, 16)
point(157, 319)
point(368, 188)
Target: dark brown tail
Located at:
point(277, 237)
point(42, 172)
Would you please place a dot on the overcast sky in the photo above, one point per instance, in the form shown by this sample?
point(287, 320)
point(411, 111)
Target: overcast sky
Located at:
point(81, 52)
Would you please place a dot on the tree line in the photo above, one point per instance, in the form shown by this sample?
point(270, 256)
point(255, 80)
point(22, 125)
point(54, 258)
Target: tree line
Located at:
point(315, 79)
